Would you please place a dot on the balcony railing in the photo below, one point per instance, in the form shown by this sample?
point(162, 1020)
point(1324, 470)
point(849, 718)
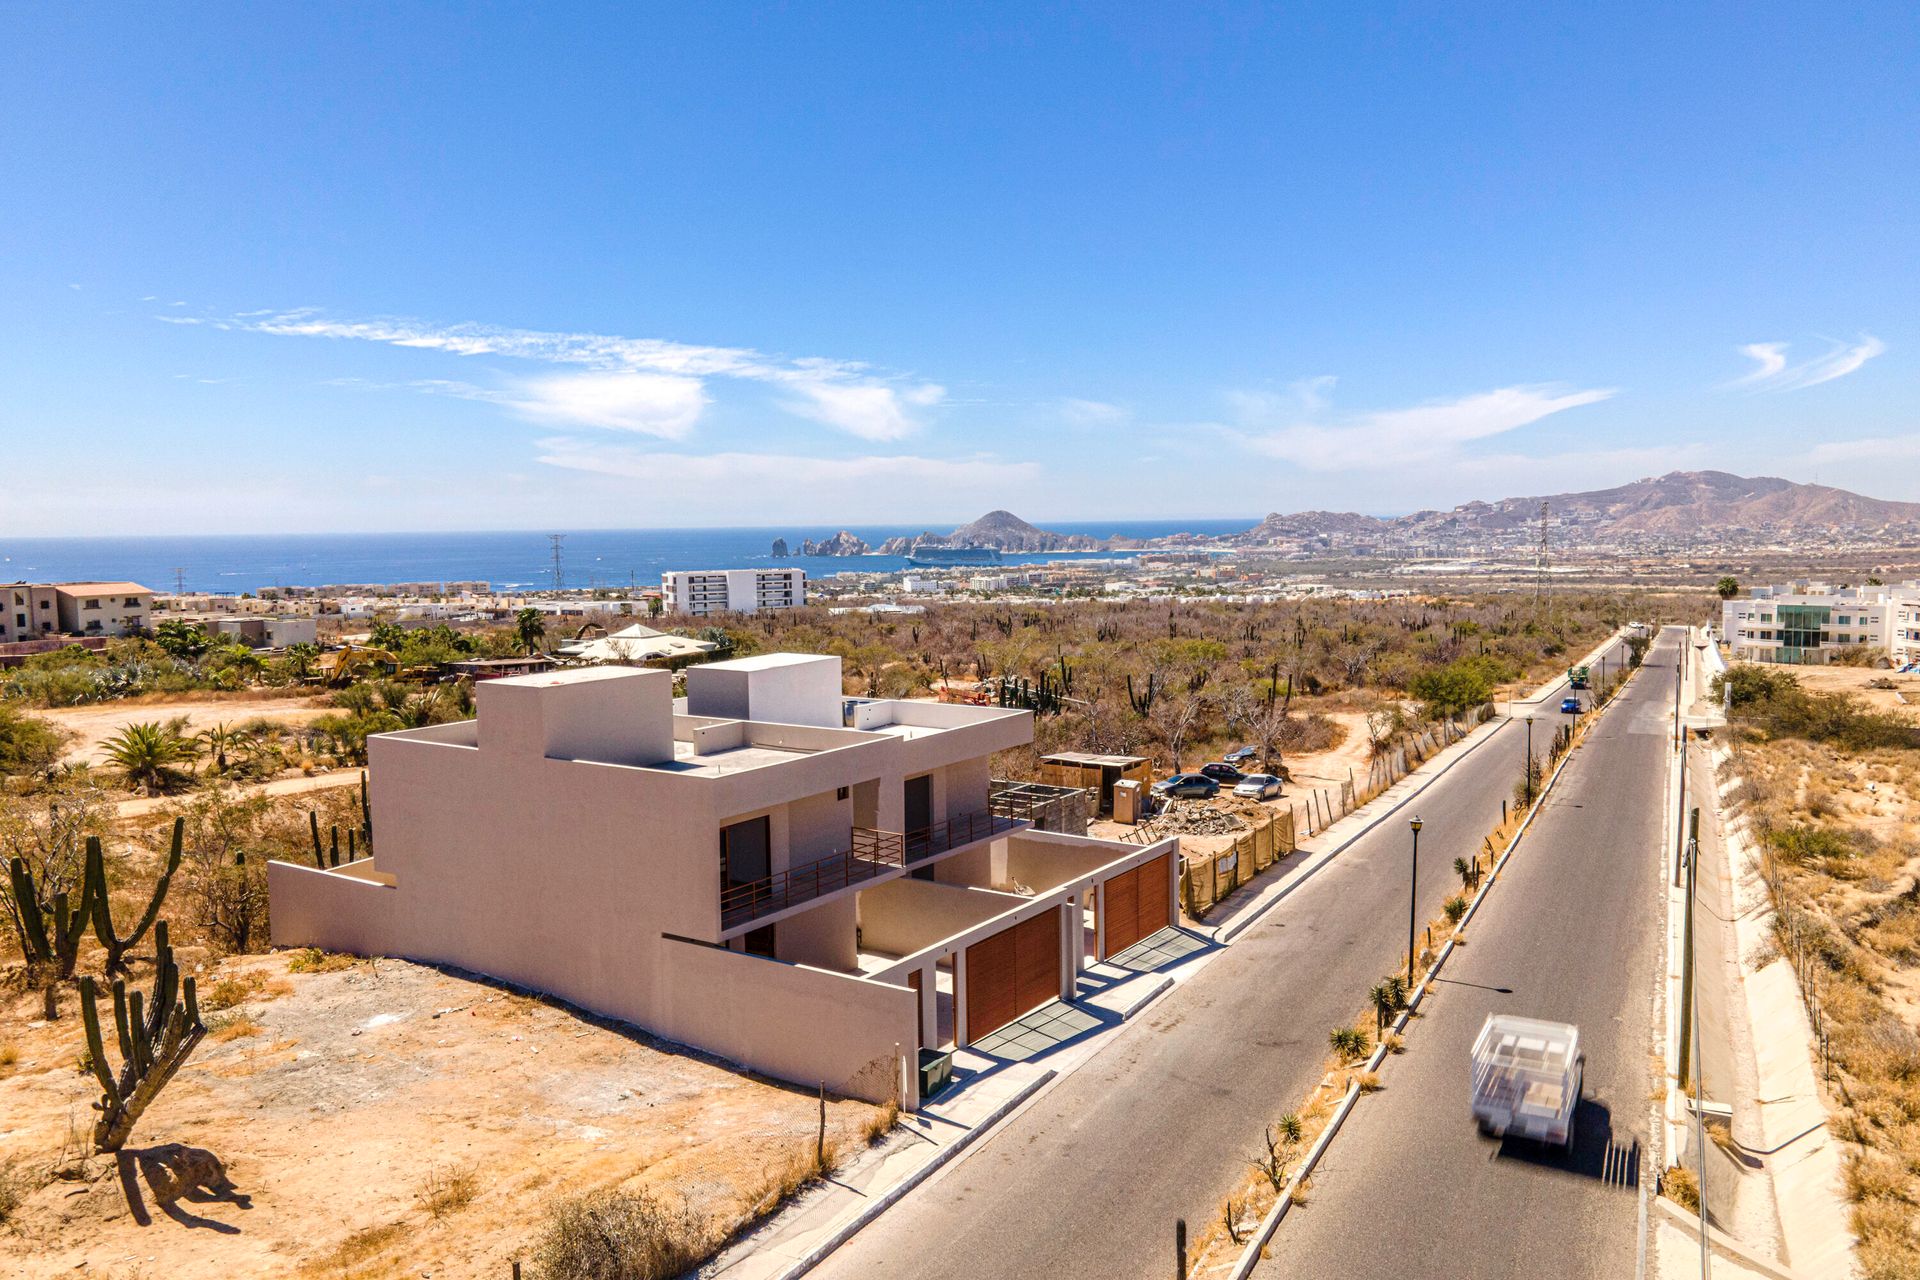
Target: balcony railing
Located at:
point(870, 856)
point(874, 853)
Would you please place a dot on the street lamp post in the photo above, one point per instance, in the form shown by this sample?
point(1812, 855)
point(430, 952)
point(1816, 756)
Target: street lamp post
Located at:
point(1413, 897)
point(1528, 771)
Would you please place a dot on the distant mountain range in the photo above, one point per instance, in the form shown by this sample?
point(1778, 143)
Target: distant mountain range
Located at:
point(1681, 504)
point(1695, 506)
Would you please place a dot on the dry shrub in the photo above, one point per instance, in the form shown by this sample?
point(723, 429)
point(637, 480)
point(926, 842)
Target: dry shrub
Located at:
point(620, 1235)
point(233, 1026)
point(314, 960)
point(13, 1189)
point(361, 1245)
point(1369, 1081)
point(9, 1056)
point(447, 1190)
point(1680, 1186)
point(879, 1124)
point(1874, 1174)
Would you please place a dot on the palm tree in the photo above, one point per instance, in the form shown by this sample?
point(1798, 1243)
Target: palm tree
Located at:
point(532, 628)
point(146, 756)
point(1727, 588)
point(222, 739)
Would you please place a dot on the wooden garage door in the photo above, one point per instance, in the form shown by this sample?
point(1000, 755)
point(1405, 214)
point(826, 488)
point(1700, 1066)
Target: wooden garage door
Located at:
point(1014, 972)
point(1137, 904)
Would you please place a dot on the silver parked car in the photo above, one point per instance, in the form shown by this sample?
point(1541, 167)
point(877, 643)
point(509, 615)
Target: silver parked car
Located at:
point(1260, 786)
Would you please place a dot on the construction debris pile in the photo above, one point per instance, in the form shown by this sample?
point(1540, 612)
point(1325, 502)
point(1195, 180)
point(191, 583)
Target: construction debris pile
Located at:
point(1196, 818)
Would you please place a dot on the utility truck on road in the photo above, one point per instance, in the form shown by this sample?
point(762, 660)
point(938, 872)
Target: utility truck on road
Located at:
point(1526, 1078)
point(1580, 677)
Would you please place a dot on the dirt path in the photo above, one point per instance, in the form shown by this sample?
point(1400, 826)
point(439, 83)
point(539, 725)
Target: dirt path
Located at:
point(93, 725)
point(349, 1099)
point(145, 806)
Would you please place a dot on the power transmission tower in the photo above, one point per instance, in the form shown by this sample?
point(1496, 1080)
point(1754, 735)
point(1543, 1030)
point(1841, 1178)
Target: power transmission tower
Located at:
point(559, 576)
point(1540, 565)
point(179, 581)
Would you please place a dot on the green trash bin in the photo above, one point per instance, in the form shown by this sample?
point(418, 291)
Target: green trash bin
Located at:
point(936, 1071)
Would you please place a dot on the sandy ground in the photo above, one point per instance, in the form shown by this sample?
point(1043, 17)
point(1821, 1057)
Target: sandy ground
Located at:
point(93, 725)
point(1857, 681)
point(313, 1141)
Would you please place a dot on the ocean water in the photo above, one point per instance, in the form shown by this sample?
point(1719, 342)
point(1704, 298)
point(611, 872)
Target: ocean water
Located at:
point(589, 557)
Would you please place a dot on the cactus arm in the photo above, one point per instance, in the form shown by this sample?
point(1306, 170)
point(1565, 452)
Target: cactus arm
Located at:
point(313, 827)
point(96, 1048)
point(142, 1045)
point(26, 902)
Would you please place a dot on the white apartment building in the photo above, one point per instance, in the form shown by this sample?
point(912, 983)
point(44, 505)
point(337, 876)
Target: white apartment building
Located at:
point(31, 612)
point(700, 592)
point(1804, 622)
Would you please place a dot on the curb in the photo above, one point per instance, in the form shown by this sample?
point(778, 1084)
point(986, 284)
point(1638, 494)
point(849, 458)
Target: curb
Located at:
point(1250, 1255)
point(892, 1196)
point(1723, 1244)
point(1160, 988)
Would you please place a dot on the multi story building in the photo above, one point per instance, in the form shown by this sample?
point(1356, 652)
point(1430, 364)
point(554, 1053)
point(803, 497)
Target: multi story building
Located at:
point(701, 592)
point(1804, 622)
point(31, 612)
point(37, 610)
point(811, 885)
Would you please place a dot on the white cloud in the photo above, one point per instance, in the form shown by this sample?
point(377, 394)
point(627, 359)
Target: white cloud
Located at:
point(843, 394)
point(1774, 373)
point(1091, 413)
point(1417, 435)
point(1867, 448)
point(655, 404)
point(870, 410)
point(755, 487)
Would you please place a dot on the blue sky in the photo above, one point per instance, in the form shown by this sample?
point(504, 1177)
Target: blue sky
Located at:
point(289, 268)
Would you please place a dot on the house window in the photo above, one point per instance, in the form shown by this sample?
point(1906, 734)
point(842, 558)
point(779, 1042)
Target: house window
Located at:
point(91, 604)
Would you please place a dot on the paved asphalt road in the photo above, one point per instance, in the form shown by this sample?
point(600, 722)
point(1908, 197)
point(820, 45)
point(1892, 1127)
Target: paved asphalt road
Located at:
point(1088, 1180)
point(1571, 933)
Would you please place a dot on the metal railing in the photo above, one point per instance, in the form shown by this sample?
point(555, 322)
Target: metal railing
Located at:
point(873, 853)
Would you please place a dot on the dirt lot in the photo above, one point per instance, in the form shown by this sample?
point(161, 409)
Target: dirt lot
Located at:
point(337, 1104)
point(95, 724)
point(1903, 698)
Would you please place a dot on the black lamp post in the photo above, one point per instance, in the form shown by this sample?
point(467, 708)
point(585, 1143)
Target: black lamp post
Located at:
point(1529, 768)
point(1413, 895)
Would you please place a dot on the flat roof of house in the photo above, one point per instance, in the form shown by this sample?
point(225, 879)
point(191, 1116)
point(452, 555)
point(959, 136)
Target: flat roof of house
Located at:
point(766, 661)
point(1082, 757)
point(109, 588)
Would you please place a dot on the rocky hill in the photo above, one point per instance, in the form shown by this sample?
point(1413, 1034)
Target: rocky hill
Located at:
point(1001, 530)
point(1681, 503)
point(842, 543)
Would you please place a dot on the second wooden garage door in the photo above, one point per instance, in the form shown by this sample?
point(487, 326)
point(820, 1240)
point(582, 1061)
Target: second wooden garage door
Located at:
point(1137, 904)
point(1014, 972)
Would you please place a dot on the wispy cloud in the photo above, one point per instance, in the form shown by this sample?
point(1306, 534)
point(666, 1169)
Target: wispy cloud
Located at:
point(650, 385)
point(1416, 435)
point(1091, 413)
point(791, 473)
point(1864, 449)
point(1773, 372)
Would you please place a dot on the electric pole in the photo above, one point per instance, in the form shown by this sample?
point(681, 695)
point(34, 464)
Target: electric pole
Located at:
point(1540, 566)
point(559, 576)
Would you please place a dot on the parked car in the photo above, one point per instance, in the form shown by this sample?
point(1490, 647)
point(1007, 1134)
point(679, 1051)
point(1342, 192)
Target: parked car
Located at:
point(1261, 786)
point(1187, 786)
point(1240, 755)
point(1222, 772)
point(1571, 706)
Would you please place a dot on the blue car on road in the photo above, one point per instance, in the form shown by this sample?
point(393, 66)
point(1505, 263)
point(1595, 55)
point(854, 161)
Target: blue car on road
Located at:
point(1571, 706)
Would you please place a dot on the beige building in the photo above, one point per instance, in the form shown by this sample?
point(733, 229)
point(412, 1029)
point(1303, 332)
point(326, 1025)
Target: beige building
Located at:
point(811, 885)
point(32, 611)
point(103, 608)
point(701, 592)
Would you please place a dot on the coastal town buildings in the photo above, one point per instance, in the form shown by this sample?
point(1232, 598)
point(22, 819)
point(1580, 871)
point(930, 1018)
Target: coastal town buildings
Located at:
point(709, 591)
point(812, 885)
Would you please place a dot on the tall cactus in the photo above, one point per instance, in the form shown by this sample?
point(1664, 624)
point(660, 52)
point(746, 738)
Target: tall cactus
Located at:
point(96, 879)
point(359, 842)
point(155, 1038)
point(56, 947)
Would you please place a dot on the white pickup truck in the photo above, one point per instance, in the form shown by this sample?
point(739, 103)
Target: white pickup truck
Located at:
point(1526, 1078)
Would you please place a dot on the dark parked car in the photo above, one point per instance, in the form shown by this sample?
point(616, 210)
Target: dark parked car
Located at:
point(1571, 706)
point(1222, 772)
point(1240, 755)
point(1187, 786)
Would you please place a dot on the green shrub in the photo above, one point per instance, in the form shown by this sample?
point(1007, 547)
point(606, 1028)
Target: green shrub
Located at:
point(1455, 908)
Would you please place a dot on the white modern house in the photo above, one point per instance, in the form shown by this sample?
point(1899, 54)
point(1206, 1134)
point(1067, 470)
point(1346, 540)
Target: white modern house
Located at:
point(705, 591)
point(812, 885)
point(1804, 622)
